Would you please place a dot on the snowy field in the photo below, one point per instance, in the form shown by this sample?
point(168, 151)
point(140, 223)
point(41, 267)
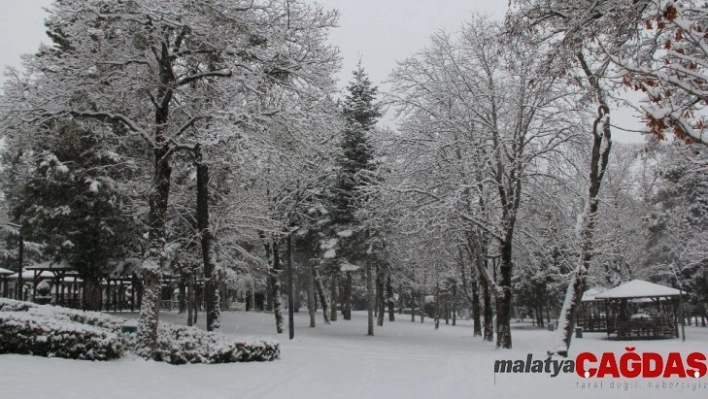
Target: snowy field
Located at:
point(403, 360)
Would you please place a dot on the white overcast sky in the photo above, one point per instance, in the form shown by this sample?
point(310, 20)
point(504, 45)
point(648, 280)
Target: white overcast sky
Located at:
point(379, 32)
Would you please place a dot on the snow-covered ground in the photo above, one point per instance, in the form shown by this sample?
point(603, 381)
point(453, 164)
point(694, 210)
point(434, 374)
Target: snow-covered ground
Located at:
point(403, 360)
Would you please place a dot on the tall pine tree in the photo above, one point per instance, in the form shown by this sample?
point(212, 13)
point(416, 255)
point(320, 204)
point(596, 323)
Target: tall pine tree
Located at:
point(361, 113)
point(355, 170)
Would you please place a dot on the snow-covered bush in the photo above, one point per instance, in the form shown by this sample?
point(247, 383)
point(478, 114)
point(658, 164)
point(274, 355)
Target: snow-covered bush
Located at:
point(34, 334)
point(11, 305)
point(180, 345)
point(175, 345)
point(56, 312)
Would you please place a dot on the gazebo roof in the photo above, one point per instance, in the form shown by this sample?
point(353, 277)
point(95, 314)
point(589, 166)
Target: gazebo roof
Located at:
point(591, 293)
point(29, 275)
point(639, 289)
point(5, 271)
point(50, 265)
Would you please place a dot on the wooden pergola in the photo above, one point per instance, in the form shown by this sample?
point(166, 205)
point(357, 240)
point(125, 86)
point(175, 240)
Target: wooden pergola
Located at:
point(641, 310)
point(26, 278)
point(66, 293)
point(4, 281)
point(592, 316)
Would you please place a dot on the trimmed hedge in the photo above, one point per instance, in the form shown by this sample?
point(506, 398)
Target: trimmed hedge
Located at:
point(30, 334)
point(57, 312)
point(182, 345)
point(43, 330)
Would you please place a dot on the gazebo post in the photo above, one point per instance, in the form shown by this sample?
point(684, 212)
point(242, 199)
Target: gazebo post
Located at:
point(63, 290)
point(108, 294)
point(607, 316)
point(83, 294)
point(57, 283)
point(133, 291)
point(34, 284)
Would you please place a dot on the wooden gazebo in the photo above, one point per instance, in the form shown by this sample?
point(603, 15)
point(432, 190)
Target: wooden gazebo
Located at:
point(4, 280)
point(67, 293)
point(592, 316)
point(27, 278)
point(641, 310)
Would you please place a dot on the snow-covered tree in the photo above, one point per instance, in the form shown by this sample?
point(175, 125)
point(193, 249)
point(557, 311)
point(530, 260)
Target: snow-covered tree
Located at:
point(484, 116)
point(73, 203)
point(136, 64)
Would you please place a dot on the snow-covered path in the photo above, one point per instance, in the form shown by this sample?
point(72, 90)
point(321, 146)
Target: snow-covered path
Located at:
point(403, 360)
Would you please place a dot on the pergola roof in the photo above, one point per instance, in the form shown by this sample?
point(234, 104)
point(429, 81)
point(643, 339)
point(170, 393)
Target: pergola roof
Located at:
point(5, 271)
point(591, 294)
point(50, 265)
point(639, 289)
point(29, 275)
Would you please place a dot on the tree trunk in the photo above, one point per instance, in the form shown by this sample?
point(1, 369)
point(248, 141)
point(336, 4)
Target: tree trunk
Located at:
point(437, 305)
point(269, 293)
point(503, 296)
point(370, 297)
point(602, 137)
point(156, 261)
point(454, 304)
point(389, 299)
point(488, 312)
point(400, 298)
point(322, 295)
point(20, 295)
point(196, 302)
point(182, 294)
point(291, 300)
point(211, 281)
point(476, 310)
point(311, 292)
point(190, 300)
point(277, 289)
point(539, 317)
point(253, 293)
point(348, 297)
point(333, 297)
point(92, 296)
point(380, 295)
point(421, 308)
point(149, 311)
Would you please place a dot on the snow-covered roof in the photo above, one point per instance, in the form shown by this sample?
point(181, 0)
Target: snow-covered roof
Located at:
point(591, 293)
point(50, 265)
point(5, 271)
point(638, 289)
point(29, 275)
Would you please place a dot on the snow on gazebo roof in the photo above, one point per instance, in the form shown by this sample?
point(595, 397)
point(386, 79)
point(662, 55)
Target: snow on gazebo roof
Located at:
point(50, 265)
point(5, 271)
point(639, 289)
point(591, 293)
point(29, 275)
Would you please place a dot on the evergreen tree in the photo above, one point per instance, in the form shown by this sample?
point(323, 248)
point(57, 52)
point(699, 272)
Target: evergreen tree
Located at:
point(361, 113)
point(71, 203)
point(355, 170)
